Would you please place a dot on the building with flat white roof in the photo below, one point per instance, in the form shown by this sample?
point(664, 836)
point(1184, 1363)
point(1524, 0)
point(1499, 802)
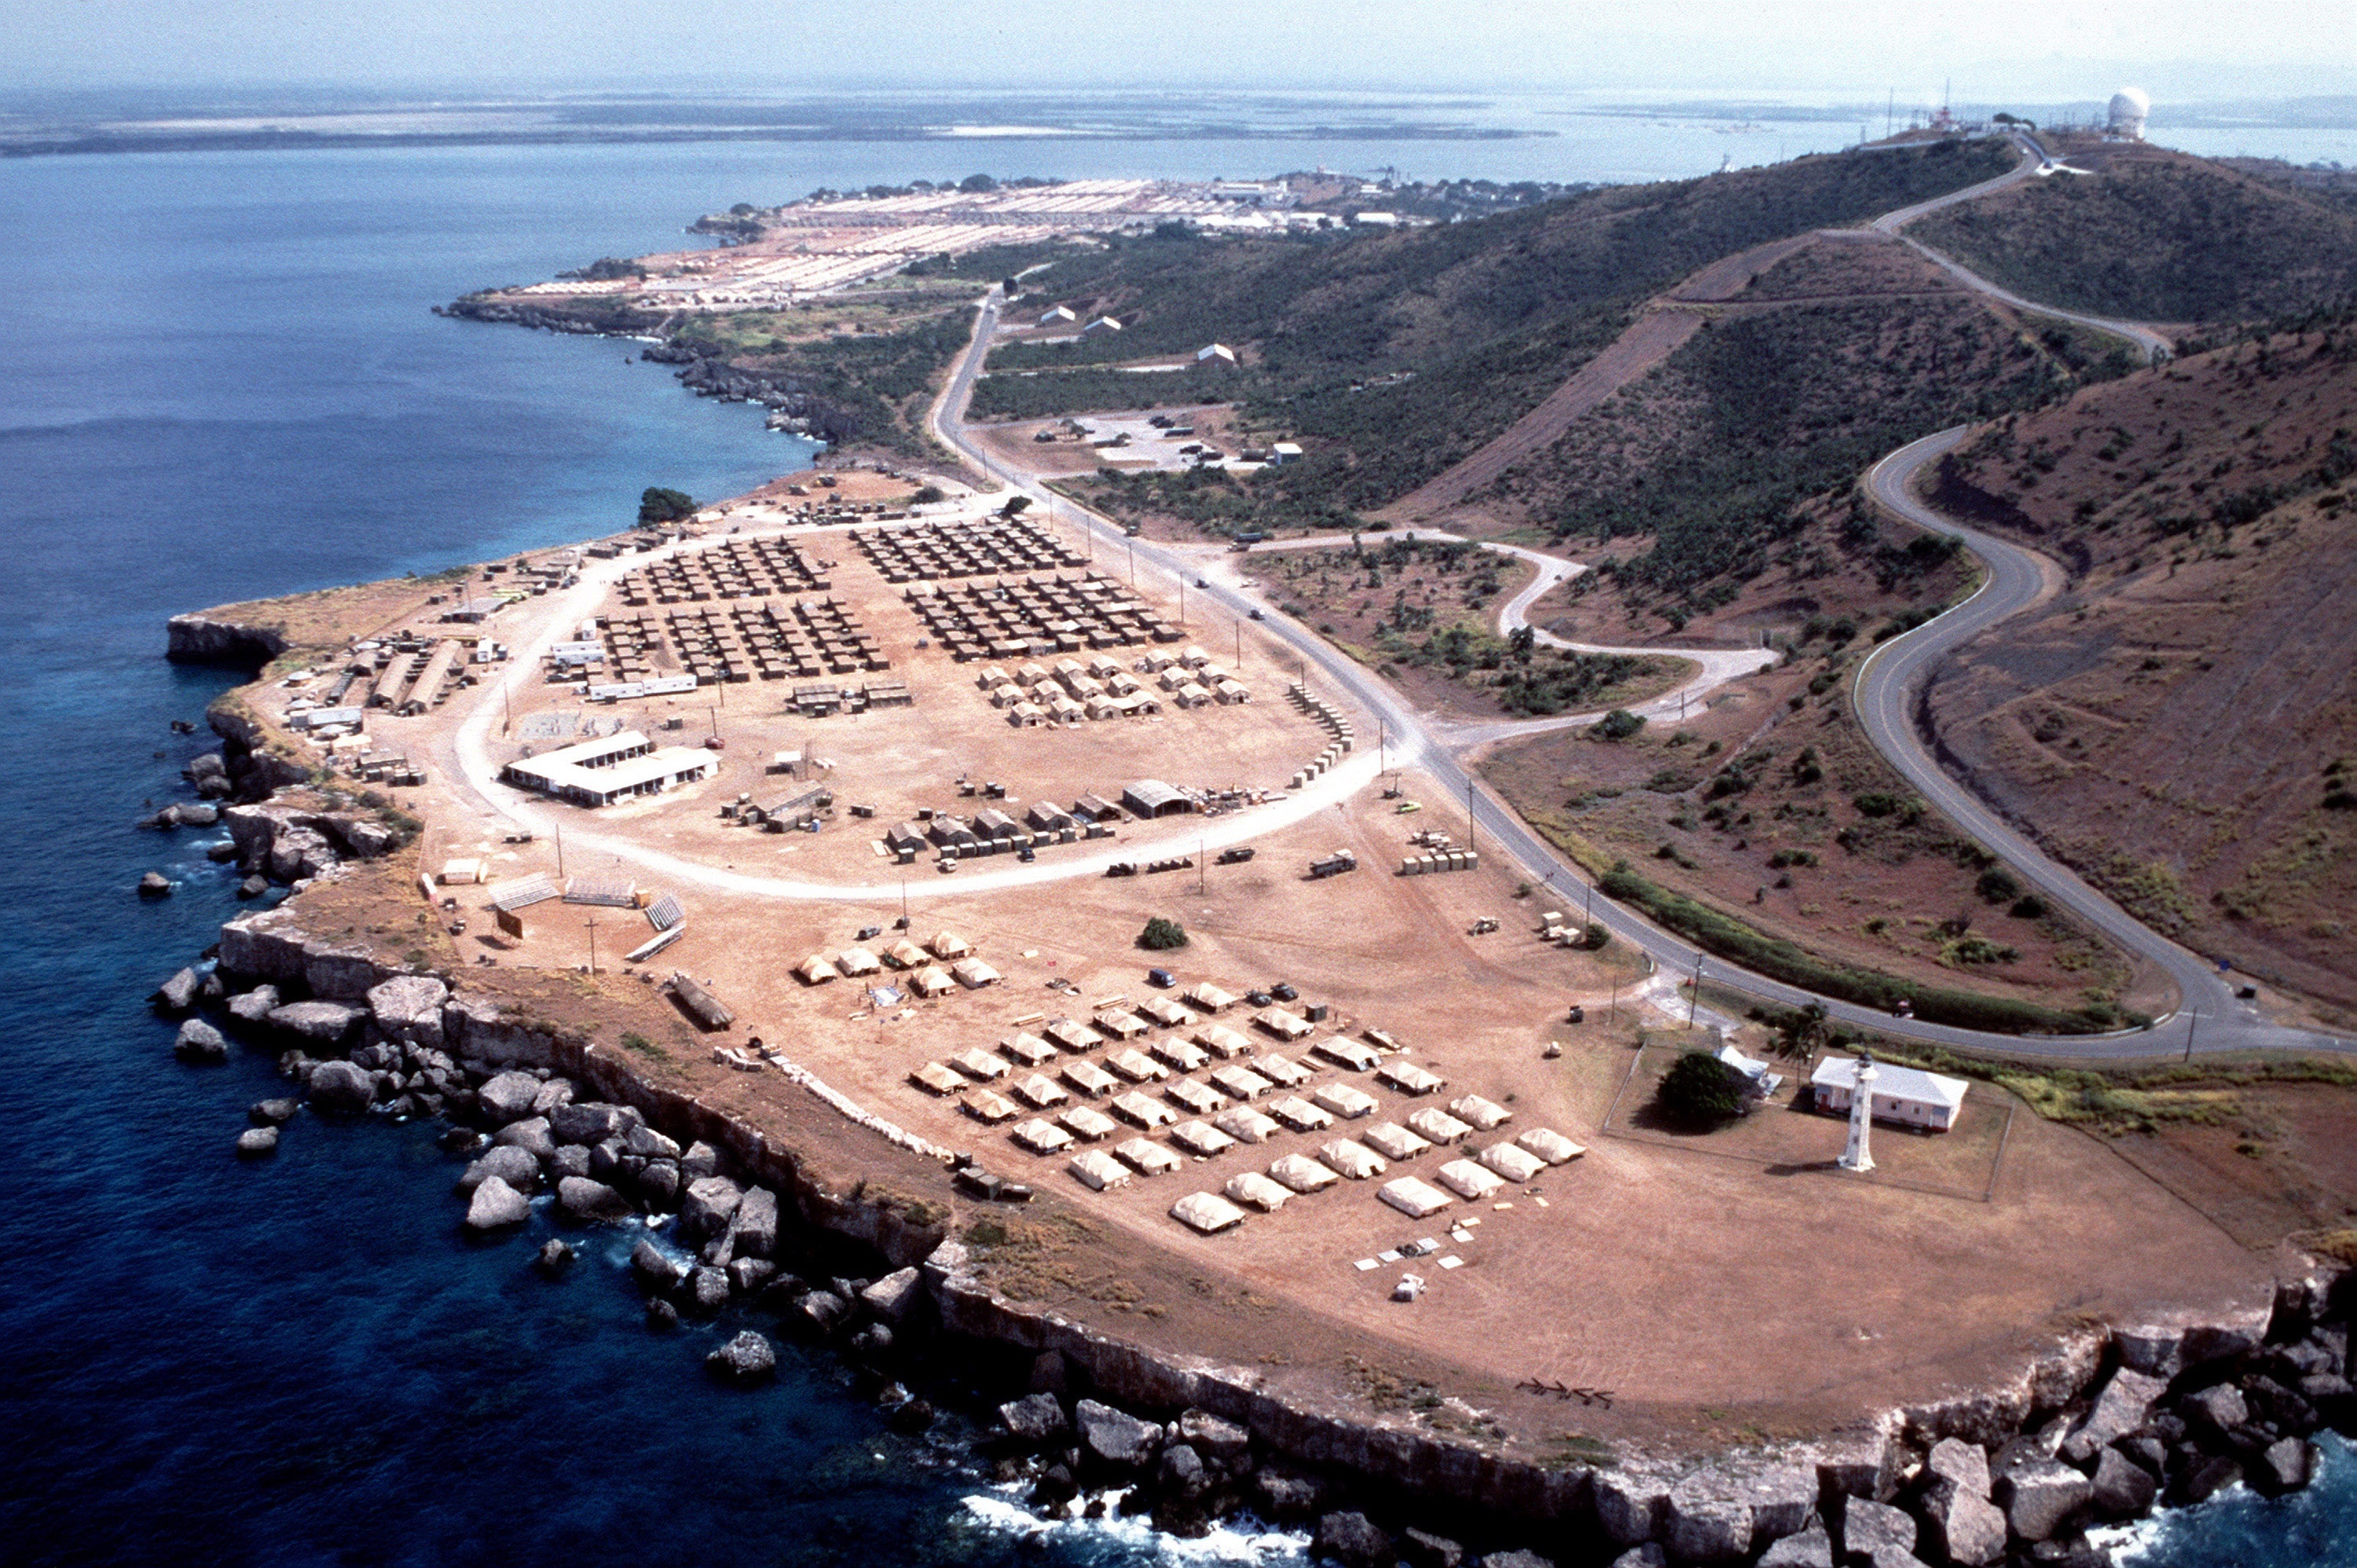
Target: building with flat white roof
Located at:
point(1905, 1095)
point(609, 768)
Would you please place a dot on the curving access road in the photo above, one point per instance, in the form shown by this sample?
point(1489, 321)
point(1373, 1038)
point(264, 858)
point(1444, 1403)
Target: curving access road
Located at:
point(2210, 1018)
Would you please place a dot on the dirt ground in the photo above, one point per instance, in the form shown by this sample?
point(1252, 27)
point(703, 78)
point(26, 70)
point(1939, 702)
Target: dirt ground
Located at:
point(1626, 1270)
point(1798, 856)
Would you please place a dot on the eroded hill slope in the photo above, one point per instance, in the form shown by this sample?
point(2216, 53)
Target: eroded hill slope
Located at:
point(2181, 723)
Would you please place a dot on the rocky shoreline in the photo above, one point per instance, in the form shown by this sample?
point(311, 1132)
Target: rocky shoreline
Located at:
point(795, 406)
point(2103, 1425)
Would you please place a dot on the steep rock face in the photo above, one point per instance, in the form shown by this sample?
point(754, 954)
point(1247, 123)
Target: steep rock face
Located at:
point(199, 640)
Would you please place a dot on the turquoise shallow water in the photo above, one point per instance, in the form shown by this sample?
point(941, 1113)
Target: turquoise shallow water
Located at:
point(223, 381)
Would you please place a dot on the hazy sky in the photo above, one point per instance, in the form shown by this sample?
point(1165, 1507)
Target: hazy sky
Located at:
point(1996, 50)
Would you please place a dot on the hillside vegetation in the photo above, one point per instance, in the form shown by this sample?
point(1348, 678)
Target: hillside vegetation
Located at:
point(2157, 236)
point(1392, 356)
point(2181, 723)
point(1706, 464)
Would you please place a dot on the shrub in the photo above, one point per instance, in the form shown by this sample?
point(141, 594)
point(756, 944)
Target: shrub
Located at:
point(1161, 935)
point(930, 494)
point(1618, 724)
point(1997, 886)
point(2028, 907)
point(1701, 1089)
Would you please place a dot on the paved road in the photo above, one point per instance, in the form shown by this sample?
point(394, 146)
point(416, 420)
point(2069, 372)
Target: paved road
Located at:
point(2223, 1024)
point(1889, 686)
point(2034, 164)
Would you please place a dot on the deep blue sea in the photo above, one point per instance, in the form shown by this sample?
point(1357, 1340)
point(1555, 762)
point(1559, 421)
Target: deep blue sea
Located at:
point(219, 379)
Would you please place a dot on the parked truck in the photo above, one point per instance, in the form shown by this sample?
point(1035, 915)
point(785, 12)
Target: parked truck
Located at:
point(1334, 865)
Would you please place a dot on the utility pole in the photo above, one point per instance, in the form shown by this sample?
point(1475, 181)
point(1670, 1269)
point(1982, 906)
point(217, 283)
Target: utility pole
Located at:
point(560, 850)
point(591, 926)
point(1695, 1000)
point(1612, 1008)
point(2191, 1018)
point(507, 701)
point(1472, 834)
point(1202, 865)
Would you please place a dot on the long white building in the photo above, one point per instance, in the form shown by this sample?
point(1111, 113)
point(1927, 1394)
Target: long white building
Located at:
point(611, 767)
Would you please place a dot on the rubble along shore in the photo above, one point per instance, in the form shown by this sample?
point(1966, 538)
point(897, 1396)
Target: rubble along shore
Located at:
point(2103, 1426)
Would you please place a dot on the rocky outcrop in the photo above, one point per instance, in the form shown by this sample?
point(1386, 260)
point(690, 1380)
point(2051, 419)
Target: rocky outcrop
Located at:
point(747, 1359)
point(200, 639)
point(495, 1207)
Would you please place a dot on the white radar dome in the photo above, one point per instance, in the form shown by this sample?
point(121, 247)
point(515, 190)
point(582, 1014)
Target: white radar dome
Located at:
point(2129, 107)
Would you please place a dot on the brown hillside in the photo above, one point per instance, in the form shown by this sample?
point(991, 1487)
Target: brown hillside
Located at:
point(2178, 723)
point(2155, 235)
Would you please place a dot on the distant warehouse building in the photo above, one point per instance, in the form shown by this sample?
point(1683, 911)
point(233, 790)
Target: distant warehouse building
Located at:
point(611, 768)
point(1905, 1095)
point(1152, 798)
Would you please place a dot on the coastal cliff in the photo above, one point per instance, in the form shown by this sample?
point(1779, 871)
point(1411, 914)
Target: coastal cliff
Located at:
point(2098, 1424)
point(198, 640)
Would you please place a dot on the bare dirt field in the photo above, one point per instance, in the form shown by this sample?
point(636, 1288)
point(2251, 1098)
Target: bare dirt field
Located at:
point(1789, 821)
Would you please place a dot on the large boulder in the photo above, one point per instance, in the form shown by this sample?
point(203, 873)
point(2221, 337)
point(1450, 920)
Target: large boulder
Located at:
point(1035, 1421)
point(273, 1113)
point(1809, 1549)
point(2219, 1407)
point(324, 1022)
point(507, 1097)
point(701, 1160)
point(708, 1289)
point(2123, 1489)
point(753, 1229)
point(198, 1041)
point(1353, 1540)
point(1959, 1525)
point(710, 1203)
point(648, 1143)
point(1422, 1549)
point(2119, 1410)
point(1705, 1524)
point(531, 1135)
point(341, 1089)
point(588, 1121)
point(495, 1206)
point(178, 994)
point(1965, 1463)
point(256, 1142)
point(822, 1310)
point(1223, 1442)
point(515, 1166)
point(1631, 1501)
point(1181, 1474)
point(1867, 1525)
point(894, 1297)
point(408, 1009)
point(2283, 1467)
point(656, 1271)
point(591, 1200)
point(255, 1006)
point(1115, 1437)
point(2039, 1496)
point(1286, 1498)
point(747, 1358)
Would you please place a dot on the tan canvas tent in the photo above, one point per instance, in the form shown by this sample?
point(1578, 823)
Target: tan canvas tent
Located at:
point(1301, 1173)
point(1437, 1125)
point(1392, 1141)
point(1414, 1198)
point(1202, 1138)
point(1550, 1145)
point(1257, 1190)
point(1041, 1137)
point(1482, 1114)
point(1206, 1213)
point(1147, 1157)
point(1467, 1179)
point(1354, 1160)
point(1089, 1126)
point(1517, 1165)
point(1247, 1126)
point(1097, 1169)
point(1344, 1101)
point(816, 971)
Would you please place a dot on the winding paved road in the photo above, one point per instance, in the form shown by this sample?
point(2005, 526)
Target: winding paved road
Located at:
point(2212, 1019)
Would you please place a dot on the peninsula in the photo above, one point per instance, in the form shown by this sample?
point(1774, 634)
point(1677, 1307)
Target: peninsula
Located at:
point(1144, 846)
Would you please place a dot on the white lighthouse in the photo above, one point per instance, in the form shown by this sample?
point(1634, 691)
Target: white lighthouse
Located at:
point(1857, 1156)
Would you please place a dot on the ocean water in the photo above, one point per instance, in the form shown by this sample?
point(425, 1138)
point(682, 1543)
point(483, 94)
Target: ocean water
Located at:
point(222, 381)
